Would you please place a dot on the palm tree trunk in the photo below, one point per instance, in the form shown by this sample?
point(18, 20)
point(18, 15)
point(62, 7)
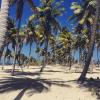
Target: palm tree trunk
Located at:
point(91, 46)
point(3, 58)
point(70, 58)
point(19, 44)
point(3, 62)
point(70, 63)
point(45, 55)
point(54, 56)
point(54, 53)
point(14, 61)
point(74, 56)
point(29, 55)
point(80, 55)
point(16, 51)
point(3, 20)
point(19, 60)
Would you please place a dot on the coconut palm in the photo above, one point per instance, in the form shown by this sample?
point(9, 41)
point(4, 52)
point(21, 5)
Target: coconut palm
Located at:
point(92, 43)
point(30, 37)
point(84, 15)
point(46, 17)
point(3, 20)
point(66, 41)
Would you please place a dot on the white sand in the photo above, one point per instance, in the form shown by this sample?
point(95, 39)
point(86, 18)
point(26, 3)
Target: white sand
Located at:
point(61, 85)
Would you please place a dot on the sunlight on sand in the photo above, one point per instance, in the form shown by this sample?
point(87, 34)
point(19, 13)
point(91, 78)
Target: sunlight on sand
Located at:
point(55, 83)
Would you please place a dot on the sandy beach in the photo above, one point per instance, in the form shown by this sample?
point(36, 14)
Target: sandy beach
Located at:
point(55, 83)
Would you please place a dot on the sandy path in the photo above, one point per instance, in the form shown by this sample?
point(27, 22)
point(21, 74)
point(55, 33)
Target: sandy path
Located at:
point(54, 84)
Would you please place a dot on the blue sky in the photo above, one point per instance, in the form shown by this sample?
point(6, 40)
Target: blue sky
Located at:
point(63, 20)
point(27, 12)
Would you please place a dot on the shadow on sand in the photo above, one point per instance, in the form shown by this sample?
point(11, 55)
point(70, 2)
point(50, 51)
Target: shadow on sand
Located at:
point(17, 72)
point(93, 85)
point(27, 84)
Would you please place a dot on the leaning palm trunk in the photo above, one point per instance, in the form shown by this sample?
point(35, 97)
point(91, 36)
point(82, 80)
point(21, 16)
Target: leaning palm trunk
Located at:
point(91, 46)
point(3, 20)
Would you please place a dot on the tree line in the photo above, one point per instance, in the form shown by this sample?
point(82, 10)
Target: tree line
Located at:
point(55, 43)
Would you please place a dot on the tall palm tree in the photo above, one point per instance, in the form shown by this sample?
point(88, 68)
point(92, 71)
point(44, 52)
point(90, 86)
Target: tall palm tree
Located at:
point(46, 18)
point(91, 45)
point(84, 15)
point(3, 20)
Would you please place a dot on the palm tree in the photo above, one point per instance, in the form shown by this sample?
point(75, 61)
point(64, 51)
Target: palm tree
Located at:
point(84, 15)
point(66, 40)
point(30, 38)
point(3, 20)
point(46, 18)
point(91, 45)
